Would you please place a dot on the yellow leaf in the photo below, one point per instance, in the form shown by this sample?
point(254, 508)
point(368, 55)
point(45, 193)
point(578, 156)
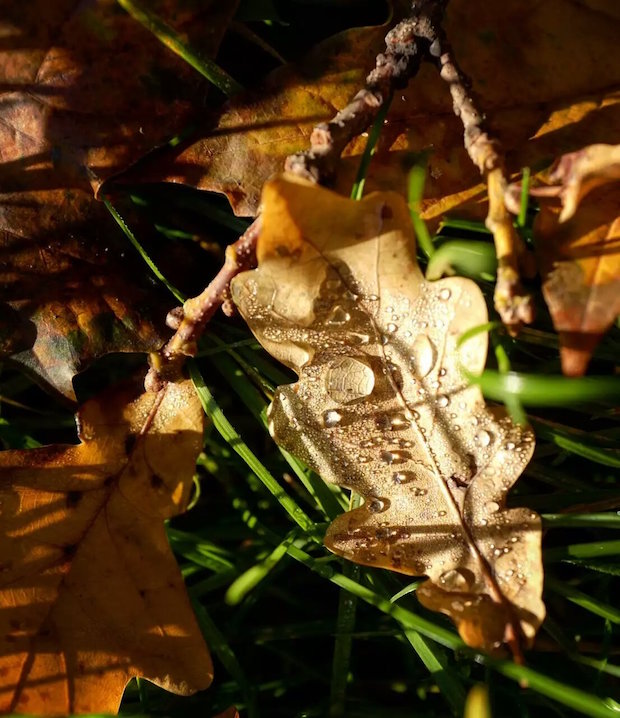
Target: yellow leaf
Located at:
point(90, 593)
point(381, 406)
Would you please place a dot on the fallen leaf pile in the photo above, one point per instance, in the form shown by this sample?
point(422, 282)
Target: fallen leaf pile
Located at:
point(91, 594)
point(85, 91)
point(382, 408)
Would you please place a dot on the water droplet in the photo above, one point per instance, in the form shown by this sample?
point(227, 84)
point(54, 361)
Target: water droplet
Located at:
point(483, 437)
point(331, 418)
point(389, 310)
point(423, 355)
point(402, 477)
point(420, 492)
point(510, 446)
point(442, 372)
point(399, 422)
point(357, 338)
point(445, 294)
point(394, 457)
point(441, 513)
point(491, 506)
point(376, 505)
point(391, 328)
point(455, 580)
point(443, 401)
point(348, 380)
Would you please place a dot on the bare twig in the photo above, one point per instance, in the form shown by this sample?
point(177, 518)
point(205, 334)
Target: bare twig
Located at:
point(392, 70)
point(190, 320)
point(513, 304)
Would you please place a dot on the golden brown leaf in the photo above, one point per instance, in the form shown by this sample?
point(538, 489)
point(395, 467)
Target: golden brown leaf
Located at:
point(85, 90)
point(578, 250)
point(381, 406)
point(90, 593)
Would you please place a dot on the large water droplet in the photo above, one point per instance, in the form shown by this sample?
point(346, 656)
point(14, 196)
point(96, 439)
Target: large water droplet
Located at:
point(376, 505)
point(391, 328)
point(338, 316)
point(348, 380)
point(402, 477)
point(491, 506)
point(442, 401)
point(394, 456)
point(423, 355)
point(483, 437)
point(455, 580)
point(445, 294)
point(331, 418)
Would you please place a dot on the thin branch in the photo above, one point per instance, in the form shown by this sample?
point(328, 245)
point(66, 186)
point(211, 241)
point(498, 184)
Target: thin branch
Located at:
point(190, 320)
point(513, 304)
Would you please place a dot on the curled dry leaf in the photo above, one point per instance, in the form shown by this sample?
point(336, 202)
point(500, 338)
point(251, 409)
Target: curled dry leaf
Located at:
point(90, 593)
point(578, 250)
point(85, 91)
point(381, 406)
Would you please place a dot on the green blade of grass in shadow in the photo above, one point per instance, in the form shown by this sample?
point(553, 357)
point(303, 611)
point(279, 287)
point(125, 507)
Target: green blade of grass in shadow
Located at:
point(587, 602)
point(172, 40)
point(225, 428)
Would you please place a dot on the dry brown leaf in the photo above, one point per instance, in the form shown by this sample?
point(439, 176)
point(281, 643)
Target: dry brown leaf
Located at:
point(578, 249)
point(381, 406)
point(85, 90)
point(547, 75)
point(90, 593)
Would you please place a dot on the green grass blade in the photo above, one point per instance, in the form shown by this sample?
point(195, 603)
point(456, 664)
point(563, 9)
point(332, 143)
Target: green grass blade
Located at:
point(436, 663)
point(225, 428)
point(584, 600)
point(543, 390)
point(369, 150)
point(217, 643)
point(248, 580)
point(173, 41)
point(345, 625)
point(142, 252)
point(415, 194)
point(582, 550)
point(601, 521)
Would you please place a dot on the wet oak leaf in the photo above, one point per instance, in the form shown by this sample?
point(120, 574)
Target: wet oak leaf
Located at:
point(90, 593)
point(381, 406)
point(541, 98)
point(85, 91)
point(578, 250)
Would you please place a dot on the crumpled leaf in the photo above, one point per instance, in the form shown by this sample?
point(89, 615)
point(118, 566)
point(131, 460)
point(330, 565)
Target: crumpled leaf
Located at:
point(90, 593)
point(85, 91)
point(541, 98)
point(381, 406)
point(578, 249)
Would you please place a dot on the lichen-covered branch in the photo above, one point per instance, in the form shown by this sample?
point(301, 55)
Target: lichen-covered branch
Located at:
point(513, 304)
point(392, 70)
